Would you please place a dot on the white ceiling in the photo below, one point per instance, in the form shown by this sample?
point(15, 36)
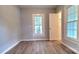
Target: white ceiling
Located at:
point(38, 6)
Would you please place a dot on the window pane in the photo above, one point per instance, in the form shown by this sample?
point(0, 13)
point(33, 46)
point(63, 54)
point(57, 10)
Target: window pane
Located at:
point(38, 29)
point(68, 25)
point(72, 25)
point(72, 34)
point(38, 20)
point(38, 24)
point(72, 18)
point(72, 29)
point(68, 33)
point(72, 13)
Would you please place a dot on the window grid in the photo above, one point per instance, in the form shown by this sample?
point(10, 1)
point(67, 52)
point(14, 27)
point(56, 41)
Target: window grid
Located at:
point(72, 22)
point(38, 24)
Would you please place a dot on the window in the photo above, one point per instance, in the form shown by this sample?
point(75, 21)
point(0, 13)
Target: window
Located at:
point(38, 24)
point(72, 19)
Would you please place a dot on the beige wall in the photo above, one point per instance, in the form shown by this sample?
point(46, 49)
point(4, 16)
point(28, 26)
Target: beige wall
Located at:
point(71, 43)
point(14, 28)
point(9, 26)
point(27, 23)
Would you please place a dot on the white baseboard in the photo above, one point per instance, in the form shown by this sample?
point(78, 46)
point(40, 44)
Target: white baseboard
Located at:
point(32, 39)
point(74, 50)
point(10, 47)
point(18, 42)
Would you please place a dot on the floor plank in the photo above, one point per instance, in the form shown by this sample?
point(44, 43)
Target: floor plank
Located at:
point(40, 47)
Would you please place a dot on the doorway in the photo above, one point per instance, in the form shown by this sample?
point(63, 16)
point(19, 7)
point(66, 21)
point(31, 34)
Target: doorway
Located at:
point(55, 26)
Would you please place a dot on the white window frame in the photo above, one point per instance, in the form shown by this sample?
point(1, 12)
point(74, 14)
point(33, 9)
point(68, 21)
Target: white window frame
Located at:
point(33, 22)
point(70, 22)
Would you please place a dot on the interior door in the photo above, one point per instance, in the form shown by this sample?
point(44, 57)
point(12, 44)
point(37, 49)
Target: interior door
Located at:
point(53, 27)
point(60, 24)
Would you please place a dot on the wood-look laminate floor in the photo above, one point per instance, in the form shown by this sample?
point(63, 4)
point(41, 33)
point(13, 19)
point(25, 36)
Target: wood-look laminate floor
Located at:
point(40, 47)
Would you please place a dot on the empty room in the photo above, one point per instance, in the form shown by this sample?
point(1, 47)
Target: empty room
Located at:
point(39, 29)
